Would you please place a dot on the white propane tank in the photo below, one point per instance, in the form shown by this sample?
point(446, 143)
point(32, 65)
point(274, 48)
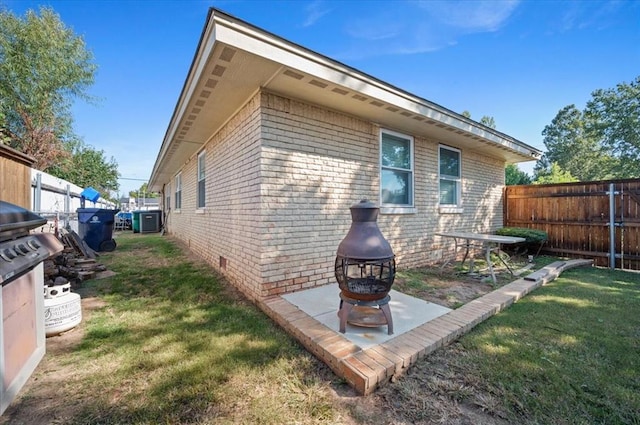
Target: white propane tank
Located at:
point(62, 309)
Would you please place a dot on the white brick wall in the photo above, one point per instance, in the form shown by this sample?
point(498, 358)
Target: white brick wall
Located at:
point(281, 176)
point(317, 163)
point(227, 230)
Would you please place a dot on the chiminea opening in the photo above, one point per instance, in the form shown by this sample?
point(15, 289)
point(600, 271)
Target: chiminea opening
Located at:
point(365, 269)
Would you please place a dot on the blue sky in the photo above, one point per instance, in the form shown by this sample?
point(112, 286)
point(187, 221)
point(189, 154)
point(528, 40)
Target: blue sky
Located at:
point(517, 61)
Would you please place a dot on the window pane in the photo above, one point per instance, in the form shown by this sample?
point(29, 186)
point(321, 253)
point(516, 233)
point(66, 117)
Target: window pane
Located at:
point(449, 162)
point(201, 193)
point(201, 166)
point(396, 152)
point(448, 192)
point(178, 197)
point(396, 187)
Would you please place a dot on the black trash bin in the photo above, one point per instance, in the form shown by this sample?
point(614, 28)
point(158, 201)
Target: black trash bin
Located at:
point(95, 227)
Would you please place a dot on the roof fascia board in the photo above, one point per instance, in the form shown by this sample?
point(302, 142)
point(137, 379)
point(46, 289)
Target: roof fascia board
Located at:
point(258, 42)
point(201, 62)
point(224, 28)
point(205, 47)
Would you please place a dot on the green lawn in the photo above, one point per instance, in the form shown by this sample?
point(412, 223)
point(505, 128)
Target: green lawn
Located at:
point(569, 353)
point(172, 346)
point(168, 343)
point(570, 350)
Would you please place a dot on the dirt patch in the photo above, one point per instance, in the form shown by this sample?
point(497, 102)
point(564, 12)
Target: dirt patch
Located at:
point(448, 286)
point(437, 390)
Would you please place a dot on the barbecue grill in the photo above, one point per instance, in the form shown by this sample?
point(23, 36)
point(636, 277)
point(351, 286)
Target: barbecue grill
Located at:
point(22, 340)
point(19, 250)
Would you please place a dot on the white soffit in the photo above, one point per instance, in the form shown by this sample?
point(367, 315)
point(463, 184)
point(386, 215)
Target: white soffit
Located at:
point(234, 60)
point(325, 71)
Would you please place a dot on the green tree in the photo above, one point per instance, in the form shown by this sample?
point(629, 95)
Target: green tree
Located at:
point(613, 118)
point(44, 67)
point(86, 166)
point(602, 141)
point(555, 174)
point(488, 121)
point(513, 175)
point(572, 146)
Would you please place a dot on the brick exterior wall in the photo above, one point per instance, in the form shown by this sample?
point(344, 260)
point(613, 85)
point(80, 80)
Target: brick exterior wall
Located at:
point(226, 232)
point(281, 176)
point(316, 164)
point(414, 242)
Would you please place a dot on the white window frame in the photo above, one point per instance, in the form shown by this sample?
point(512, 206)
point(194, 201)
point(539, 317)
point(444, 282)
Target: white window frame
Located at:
point(390, 208)
point(201, 179)
point(178, 191)
point(457, 206)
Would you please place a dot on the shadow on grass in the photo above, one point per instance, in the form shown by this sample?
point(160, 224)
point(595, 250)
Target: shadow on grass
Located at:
point(172, 344)
point(569, 350)
point(565, 354)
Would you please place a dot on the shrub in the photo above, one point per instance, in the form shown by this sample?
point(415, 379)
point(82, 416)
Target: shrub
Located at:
point(532, 236)
point(534, 239)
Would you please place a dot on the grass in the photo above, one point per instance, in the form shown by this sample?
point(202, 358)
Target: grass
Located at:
point(169, 343)
point(172, 345)
point(566, 354)
point(570, 350)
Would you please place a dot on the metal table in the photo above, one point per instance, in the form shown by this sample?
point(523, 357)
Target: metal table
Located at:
point(486, 242)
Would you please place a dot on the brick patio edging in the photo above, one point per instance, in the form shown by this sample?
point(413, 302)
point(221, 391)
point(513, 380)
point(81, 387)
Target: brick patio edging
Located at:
point(365, 370)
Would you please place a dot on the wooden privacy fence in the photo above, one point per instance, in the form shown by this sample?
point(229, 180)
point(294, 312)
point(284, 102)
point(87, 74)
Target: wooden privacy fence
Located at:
point(15, 176)
point(598, 220)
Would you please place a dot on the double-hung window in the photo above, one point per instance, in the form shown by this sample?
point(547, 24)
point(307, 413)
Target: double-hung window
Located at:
point(201, 179)
point(178, 197)
point(396, 169)
point(449, 176)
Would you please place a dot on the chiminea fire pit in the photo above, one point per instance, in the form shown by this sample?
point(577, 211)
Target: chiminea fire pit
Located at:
point(365, 269)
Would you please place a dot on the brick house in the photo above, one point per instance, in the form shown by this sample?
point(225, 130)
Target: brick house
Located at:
point(271, 143)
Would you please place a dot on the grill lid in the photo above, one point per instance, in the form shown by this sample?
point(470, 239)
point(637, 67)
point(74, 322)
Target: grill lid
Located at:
point(17, 221)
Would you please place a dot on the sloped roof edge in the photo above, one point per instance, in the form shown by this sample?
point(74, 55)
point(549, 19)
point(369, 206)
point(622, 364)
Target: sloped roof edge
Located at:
point(224, 28)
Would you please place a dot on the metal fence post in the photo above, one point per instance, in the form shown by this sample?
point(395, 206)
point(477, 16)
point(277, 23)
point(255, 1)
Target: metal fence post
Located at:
point(37, 196)
point(612, 226)
point(67, 207)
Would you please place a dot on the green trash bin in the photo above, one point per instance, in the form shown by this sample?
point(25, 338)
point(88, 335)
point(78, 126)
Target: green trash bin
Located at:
point(135, 222)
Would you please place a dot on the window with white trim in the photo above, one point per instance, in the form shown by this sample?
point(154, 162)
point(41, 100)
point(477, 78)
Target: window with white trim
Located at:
point(449, 164)
point(396, 169)
point(201, 179)
point(178, 196)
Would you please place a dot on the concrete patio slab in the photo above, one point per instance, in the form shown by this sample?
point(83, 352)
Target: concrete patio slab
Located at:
point(368, 357)
point(408, 313)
